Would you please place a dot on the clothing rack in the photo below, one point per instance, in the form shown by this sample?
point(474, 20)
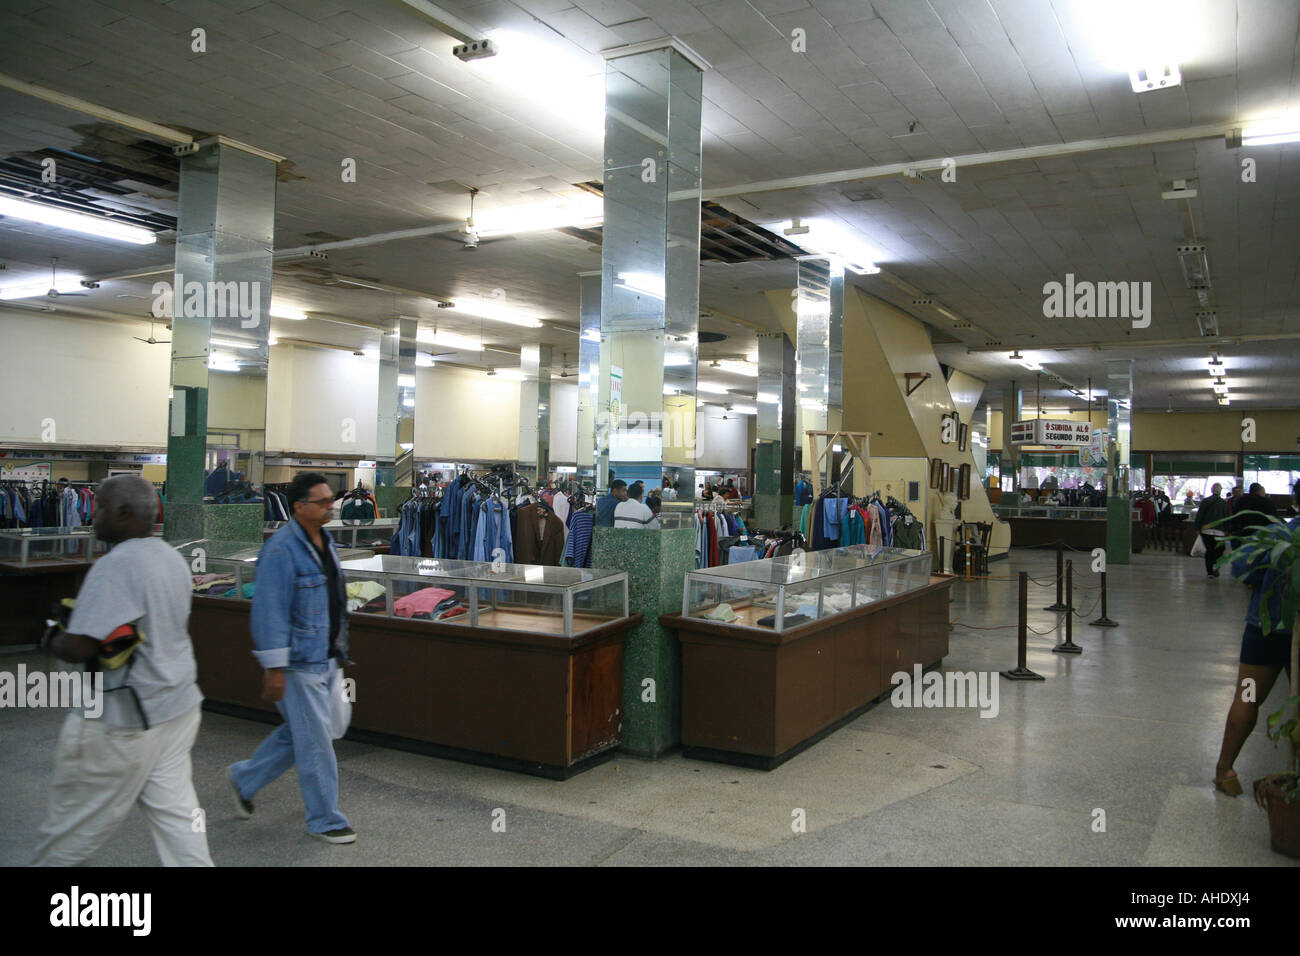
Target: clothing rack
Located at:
point(821, 444)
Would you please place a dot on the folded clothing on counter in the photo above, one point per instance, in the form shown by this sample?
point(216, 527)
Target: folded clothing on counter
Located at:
point(208, 583)
point(723, 612)
point(360, 592)
point(423, 600)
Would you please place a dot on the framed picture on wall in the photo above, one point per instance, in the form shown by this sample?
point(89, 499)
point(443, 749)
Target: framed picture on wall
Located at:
point(936, 473)
point(963, 482)
point(963, 433)
point(945, 476)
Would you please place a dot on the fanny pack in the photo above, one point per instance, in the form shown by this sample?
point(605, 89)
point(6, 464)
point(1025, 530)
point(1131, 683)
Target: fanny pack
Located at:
point(116, 652)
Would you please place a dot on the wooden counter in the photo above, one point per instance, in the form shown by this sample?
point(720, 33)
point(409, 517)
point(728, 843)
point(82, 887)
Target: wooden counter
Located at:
point(27, 593)
point(531, 702)
point(757, 698)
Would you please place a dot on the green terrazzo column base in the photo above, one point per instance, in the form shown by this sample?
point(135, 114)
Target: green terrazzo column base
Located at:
point(389, 498)
point(656, 563)
point(1119, 530)
point(772, 511)
point(187, 521)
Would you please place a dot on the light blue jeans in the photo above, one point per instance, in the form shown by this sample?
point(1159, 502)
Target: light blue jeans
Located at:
point(303, 739)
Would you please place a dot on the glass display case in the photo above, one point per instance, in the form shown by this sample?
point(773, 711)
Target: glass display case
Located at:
point(560, 602)
point(352, 534)
point(32, 547)
point(781, 593)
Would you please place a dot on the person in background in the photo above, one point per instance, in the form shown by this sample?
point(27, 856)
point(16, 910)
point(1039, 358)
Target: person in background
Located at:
point(654, 503)
point(670, 491)
point(137, 750)
point(1026, 498)
point(606, 504)
point(633, 513)
point(706, 492)
point(1263, 657)
point(1212, 509)
point(300, 629)
point(731, 491)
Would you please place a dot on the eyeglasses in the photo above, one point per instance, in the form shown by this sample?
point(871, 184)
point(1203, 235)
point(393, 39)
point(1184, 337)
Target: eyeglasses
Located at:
point(319, 501)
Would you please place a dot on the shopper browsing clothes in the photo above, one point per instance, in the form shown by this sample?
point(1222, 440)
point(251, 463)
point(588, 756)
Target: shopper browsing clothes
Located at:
point(131, 623)
point(300, 630)
point(1263, 657)
point(1211, 510)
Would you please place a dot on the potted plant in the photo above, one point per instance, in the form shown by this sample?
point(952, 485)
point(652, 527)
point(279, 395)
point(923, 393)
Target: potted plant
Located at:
point(1273, 547)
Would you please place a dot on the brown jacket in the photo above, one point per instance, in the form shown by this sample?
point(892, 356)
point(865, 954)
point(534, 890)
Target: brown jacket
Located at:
point(539, 536)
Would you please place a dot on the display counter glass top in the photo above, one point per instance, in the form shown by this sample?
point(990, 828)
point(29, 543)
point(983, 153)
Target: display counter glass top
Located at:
point(34, 547)
point(551, 601)
point(780, 593)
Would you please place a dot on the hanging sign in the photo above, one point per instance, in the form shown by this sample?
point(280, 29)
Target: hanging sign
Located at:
point(1048, 431)
point(36, 471)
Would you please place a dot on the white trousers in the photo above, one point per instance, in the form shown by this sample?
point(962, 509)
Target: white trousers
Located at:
point(101, 771)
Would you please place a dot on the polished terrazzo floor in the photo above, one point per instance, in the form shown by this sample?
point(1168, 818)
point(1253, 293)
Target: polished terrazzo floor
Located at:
point(1131, 727)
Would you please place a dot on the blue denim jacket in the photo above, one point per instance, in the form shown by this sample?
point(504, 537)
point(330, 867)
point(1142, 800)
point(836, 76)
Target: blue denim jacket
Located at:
point(291, 609)
point(1254, 574)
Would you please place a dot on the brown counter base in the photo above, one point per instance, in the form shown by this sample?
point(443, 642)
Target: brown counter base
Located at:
point(756, 762)
point(26, 595)
point(756, 698)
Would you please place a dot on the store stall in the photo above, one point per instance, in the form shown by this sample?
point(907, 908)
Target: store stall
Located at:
point(776, 654)
point(1035, 526)
point(513, 666)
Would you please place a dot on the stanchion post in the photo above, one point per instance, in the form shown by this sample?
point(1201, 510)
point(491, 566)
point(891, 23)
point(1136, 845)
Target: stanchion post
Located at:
point(1104, 621)
point(1068, 646)
point(1021, 671)
point(942, 569)
point(1060, 574)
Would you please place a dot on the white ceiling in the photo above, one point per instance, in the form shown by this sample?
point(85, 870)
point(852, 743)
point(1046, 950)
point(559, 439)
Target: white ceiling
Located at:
point(882, 82)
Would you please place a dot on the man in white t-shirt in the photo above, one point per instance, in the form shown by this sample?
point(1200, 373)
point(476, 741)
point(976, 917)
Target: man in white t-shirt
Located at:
point(136, 750)
point(634, 513)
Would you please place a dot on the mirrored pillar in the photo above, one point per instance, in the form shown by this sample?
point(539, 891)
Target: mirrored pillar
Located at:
point(1009, 465)
point(395, 424)
point(650, 268)
point(221, 303)
point(819, 309)
point(535, 413)
point(588, 375)
point(1119, 417)
point(774, 431)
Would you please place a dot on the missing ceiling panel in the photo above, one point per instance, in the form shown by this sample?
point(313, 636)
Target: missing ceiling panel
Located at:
point(862, 194)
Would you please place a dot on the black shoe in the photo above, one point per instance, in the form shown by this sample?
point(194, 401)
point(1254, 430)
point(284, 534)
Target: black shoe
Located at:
point(243, 807)
point(341, 835)
point(1214, 574)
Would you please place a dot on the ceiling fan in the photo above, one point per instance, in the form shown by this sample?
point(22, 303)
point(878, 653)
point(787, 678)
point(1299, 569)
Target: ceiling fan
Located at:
point(468, 235)
point(151, 340)
point(564, 367)
point(54, 292)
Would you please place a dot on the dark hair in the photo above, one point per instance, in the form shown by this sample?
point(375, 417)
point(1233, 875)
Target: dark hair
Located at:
point(1257, 489)
point(301, 486)
point(637, 490)
point(616, 484)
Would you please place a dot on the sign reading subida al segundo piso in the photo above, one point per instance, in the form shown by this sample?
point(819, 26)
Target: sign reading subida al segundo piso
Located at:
point(1048, 431)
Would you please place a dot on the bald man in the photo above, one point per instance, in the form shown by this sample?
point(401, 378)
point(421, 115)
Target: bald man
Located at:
point(136, 751)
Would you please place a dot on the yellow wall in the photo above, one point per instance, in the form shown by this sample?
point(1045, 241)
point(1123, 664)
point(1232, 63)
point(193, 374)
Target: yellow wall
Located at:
point(1275, 431)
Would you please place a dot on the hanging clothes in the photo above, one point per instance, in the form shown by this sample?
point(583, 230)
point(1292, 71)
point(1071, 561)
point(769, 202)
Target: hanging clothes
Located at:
point(577, 549)
point(539, 536)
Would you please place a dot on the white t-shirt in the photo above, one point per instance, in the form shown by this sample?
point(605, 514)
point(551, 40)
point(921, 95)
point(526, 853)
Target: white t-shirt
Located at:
point(146, 582)
point(635, 514)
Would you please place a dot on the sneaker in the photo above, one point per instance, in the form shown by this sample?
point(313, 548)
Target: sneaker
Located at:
point(243, 807)
point(341, 835)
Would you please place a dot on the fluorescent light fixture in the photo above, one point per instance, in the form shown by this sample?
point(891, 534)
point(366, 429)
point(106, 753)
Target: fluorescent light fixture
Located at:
point(1195, 262)
point(592, 335)
point(1147, 39)
point(710, 388)
point(744, 409)
point(75, 221)
point(1158, 76)
point(642, 282)
point(450, 340)
point(405, 445)
point(550, 74)
point(287, 312)
point(766, 398)
point(672, 390)
point(677, 359)
point(408, 403)
point(752, 357)
point(495, 313)
point(1220, 389)
point(406, 381)
point(1224, 400)
point(1268, 132)
point(30, 290)
point(423, 360)
point(272, 341)
point(583, 210)
point(835, 240)
point(232, 344)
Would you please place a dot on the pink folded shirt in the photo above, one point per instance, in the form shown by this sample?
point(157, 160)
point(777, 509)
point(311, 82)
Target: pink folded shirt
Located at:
point(425, 599)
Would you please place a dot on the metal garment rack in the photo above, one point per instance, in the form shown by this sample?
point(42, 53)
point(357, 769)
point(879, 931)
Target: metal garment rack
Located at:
point(820, 443)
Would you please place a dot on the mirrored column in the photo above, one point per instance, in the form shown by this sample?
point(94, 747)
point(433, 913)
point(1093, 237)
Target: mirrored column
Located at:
point(820, 352)
point(588, 375)
point(774, 431)
point(395, 432)
point(650, 261)
point(1119, 413)
point(220, 308)
point(535, 412)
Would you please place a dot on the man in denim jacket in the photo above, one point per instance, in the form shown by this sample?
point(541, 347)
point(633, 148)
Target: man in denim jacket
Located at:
point(300, 630)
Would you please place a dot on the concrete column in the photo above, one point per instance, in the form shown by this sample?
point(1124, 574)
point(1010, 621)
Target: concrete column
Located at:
point(1119, 417)
point(221, 303)
point(649, 321)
